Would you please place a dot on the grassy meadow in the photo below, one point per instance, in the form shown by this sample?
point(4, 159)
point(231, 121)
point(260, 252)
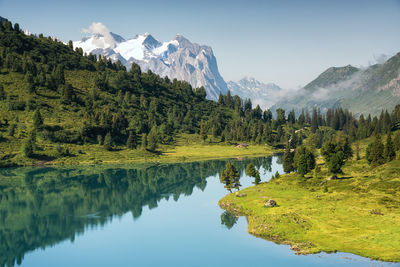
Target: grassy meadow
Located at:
point(358, 213)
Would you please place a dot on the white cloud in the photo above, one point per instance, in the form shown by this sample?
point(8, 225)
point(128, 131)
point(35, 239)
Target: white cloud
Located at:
point(100, 28)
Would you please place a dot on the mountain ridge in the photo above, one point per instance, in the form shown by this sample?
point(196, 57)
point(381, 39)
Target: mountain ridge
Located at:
point(362, 91)
point(178, 58)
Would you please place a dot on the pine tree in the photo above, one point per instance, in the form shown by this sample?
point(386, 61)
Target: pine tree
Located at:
point(334, 157)
point(288, 157)
point(108, 142)
point(396, 141)
point(358, 151)
point(302, 165)
point(257, 178)
point(28, 147)
point(3, 94)
point(304, 160)
point(347, 150)
point(68, 93)
point(131, 143)
point(280, 116)
point(314, 121)
point(30, 81)
point(203, 132)
point(389, 152)
point(230, 177)
point(374, 152)
point(144, 141)
point(37, 120)
point(152, 139)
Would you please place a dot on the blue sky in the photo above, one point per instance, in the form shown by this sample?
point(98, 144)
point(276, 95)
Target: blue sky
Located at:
point(286, 42)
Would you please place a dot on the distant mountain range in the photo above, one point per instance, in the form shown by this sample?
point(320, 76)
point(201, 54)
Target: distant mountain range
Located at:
point(365, 90)
point(178, 58)
point(260, 93)
point(361, 90)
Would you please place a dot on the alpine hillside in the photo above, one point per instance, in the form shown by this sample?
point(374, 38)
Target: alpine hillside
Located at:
point(361, 90)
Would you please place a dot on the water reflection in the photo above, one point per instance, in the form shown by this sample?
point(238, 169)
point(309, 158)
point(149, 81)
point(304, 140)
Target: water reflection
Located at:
point(228, 219)
point(42, 207)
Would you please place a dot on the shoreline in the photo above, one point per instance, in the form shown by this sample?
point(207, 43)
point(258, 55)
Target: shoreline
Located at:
point(177, 154)
point(354, 215)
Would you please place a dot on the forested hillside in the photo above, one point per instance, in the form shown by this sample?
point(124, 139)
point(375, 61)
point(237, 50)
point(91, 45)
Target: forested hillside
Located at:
point(56, 102)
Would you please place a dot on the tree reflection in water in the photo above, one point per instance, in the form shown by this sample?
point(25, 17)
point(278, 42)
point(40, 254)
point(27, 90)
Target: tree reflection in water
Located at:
point(41, 207)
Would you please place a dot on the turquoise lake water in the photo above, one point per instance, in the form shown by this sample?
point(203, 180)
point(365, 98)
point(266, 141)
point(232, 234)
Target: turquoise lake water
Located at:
point(136, 215)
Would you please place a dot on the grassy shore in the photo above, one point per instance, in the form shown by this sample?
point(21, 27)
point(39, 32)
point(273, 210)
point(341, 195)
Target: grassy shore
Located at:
point(186, 148)
point(358, 213)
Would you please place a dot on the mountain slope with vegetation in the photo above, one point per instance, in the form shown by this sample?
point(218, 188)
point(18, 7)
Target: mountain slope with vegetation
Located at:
point(362, 91)
point(59, 105)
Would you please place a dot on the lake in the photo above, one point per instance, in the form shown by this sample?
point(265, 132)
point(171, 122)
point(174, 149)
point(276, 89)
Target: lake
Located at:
point(136, 215)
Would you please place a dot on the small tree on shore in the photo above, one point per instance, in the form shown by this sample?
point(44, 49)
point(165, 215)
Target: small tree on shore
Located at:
point(108, 143)
point(144, 141)
point(230, 177)
point(28, 147)
point(131, 143)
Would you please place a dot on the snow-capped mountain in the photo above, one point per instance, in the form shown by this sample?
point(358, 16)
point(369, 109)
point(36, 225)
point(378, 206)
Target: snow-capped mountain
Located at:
point(178, 58)
point(260, 93)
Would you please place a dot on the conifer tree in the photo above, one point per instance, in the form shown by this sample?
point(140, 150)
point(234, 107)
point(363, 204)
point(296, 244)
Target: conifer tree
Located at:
point(334, 157)
point(28, 147)
point(374, 152)
point(314, 121)
point(30, 81)
point(108, 142)
point(144, 141)
point(288, 160)
point(131, 143)
point(152, 139)
point(396, 141)
point(347, 150)
point(257, 178)
point(389, 152)
point(3, 94)
point(203, 133)
point(37, 120)
point(304, 160)
point(230, 177)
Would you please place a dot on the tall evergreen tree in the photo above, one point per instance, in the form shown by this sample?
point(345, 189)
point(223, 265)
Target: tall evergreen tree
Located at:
point(288, 160)
point(108, 142)
point(152, 139)
point(374, 152)
point(144, 141)
point(389, 152)
point(28, 147)
point(131, 143)
point(230, 177)
point(304, 160)
point(396, 141)
point(334, 157)
point(314, 121)
point(3, 94)
point(37, 120)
